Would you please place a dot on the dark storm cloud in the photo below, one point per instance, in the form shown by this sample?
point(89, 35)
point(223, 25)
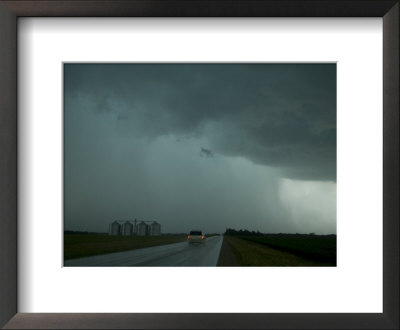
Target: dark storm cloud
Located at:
point(206, 153)
point(277, 115)
point(249, 146)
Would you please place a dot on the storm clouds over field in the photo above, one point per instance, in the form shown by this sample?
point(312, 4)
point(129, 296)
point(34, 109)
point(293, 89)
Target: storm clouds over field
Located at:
point(201, 146)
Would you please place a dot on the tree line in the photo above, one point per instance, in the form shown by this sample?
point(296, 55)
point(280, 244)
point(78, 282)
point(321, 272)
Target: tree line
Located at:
point(245, 232)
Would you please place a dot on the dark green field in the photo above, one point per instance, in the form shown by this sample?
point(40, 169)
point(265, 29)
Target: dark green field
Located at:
point(312, 247)
point(78, 246)
point(249, 253)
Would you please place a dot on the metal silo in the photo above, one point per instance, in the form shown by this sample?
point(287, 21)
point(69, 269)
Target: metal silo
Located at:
point(127, 228)
point(141, 229)
point(155, 229)
point(114, 228)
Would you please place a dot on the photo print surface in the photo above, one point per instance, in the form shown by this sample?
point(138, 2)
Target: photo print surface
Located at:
point(200, 164)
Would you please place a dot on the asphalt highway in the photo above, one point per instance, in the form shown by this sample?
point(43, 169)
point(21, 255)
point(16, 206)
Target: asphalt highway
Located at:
point(177, 254)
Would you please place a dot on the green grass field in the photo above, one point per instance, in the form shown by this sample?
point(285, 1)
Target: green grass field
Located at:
point(311, 247)
point(314, 247)
point(78, 246)
point(284, 250)
point(248, 253)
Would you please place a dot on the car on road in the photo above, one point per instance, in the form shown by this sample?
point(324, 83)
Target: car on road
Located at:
point(196, 236)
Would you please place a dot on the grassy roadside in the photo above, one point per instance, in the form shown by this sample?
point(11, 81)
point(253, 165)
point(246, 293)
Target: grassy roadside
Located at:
point(226, 256)
point(78, 246)
point(314, 247)
point(249, 253)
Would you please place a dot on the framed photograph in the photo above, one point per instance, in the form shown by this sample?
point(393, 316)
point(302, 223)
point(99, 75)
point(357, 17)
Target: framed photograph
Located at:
point(181, 160)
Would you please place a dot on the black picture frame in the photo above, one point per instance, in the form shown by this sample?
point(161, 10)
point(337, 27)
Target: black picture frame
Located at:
point(10, 10)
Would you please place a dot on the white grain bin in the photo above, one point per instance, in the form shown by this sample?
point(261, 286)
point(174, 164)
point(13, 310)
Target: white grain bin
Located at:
point(127, 228)
point(155, 229)
point(114, 228)
point(141, 229)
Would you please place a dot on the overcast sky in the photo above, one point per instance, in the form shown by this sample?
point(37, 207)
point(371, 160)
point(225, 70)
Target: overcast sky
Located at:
point(201, 146)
